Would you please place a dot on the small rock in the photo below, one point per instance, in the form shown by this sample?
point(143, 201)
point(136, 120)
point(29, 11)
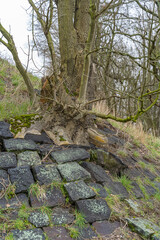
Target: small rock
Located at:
point(42, 139)
point(133, 205)
point(4, 131)
point(73, 171)
point(39, 219)
point(29, 234)
point(7, 160)
point(97, 172)
point(53, 197)
point(62, 216)
point(116, 188)
point(57, 233)
point(14, 202)
point(143, 226)
point(70, 155)
point(94, 209)
point(16, 144)
point(28, 158)
point(86, 233)
point(46, 174)
point(101, 192)
point(21, 177)
point(4, 181)
point(79, 190)
point(104, 228)
point(136, 190)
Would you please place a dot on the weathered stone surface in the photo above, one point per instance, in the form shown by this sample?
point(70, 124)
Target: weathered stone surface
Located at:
point(134, 205)
point(97, 137)
point(94, 209)
point(86, 233)
point(14, 202)
point(29, 234)
point(28, 158)
point(7, 160)
point(18, 144)
point(143, 226)
point(39, 219)
point(70, 155)
point(46, 174)
point(151, 191)
point(115, 141)
point(101, 192)
point(136, 190)
point(4, 131)
point(148, 174)
point(132, 173)
point(79, 190)
point(21, 177)
point(105, 228)
point(52, 198)
point(73, 171)
point(42, 139)
point(109, 161)
point(62, 216)
point(44, 149)
point(57, 233)
point(97, 172)
point(117, 188)
point(4, 181)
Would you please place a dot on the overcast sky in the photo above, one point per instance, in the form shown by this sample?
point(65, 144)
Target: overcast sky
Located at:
point(14, 18)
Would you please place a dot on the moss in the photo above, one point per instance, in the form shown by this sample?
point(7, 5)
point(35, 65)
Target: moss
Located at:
point(19, 122)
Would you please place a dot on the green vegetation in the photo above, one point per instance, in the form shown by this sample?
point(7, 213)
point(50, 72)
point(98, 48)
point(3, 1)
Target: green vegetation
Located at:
point(10, 191)
point(74, 232)
point(80, 219)
point(37, 191)
point(126, 183)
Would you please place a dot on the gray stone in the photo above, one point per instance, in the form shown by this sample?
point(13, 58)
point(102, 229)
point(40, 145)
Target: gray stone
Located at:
point(21, 177)
point(70, 155)
point(46, 174)
point(157, 185)
point(42, 139)
point(151, 191)
point(17, 144)
point(7, 160)
point(39, 219)
point(73, 171)
point(28, 158)
point(109, 161)
point(148, 174)
point(79, 190)
point(116, 188)
point(134, 205)
point(105, 228)
point(62, 216)
point(94, 209)
point(57, 233)
point(136, 190)
point(4, 181)
point(143, 226)
point(53, 197)
point(14, 202)
point(100, 191)
point(86, 233)
point(29, 234)
point(97, 172)
point(4, 130)
point(44, 149)
point(132, 173)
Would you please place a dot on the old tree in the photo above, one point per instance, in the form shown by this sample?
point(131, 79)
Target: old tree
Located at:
point(96, 50)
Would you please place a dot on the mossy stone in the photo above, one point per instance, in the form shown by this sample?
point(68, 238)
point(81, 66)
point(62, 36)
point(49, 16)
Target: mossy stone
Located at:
point(17, 144)
point(28, 158)
point(39, 219)
point(29, 234)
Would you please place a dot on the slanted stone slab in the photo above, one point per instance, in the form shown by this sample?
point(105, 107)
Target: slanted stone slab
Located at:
point(148, 174)
point(39, 219)
point(57, 233)
point(151, 191)
point(42, 139)
point(132, 173)
point(157, 185)
point(4, 131)
point(109, 161)
point(78, 190)
point(62, 216)
point(4, 181)
point(70, 155)
point(73, 171)
point(18, 144)
point(136, 190)
point(14, 202)
point(86, 233)
point(97, 172)
point(116, 188)
point(46, 174)
point(7, 160)
point(143, 226)
point(94, 209)
point(28, 158)
point(105, 228)
point(21, 177)
point(29, 234)
point(99, 190)
point(53, 197)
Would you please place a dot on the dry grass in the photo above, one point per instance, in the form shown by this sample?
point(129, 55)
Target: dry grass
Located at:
point(101, 107)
